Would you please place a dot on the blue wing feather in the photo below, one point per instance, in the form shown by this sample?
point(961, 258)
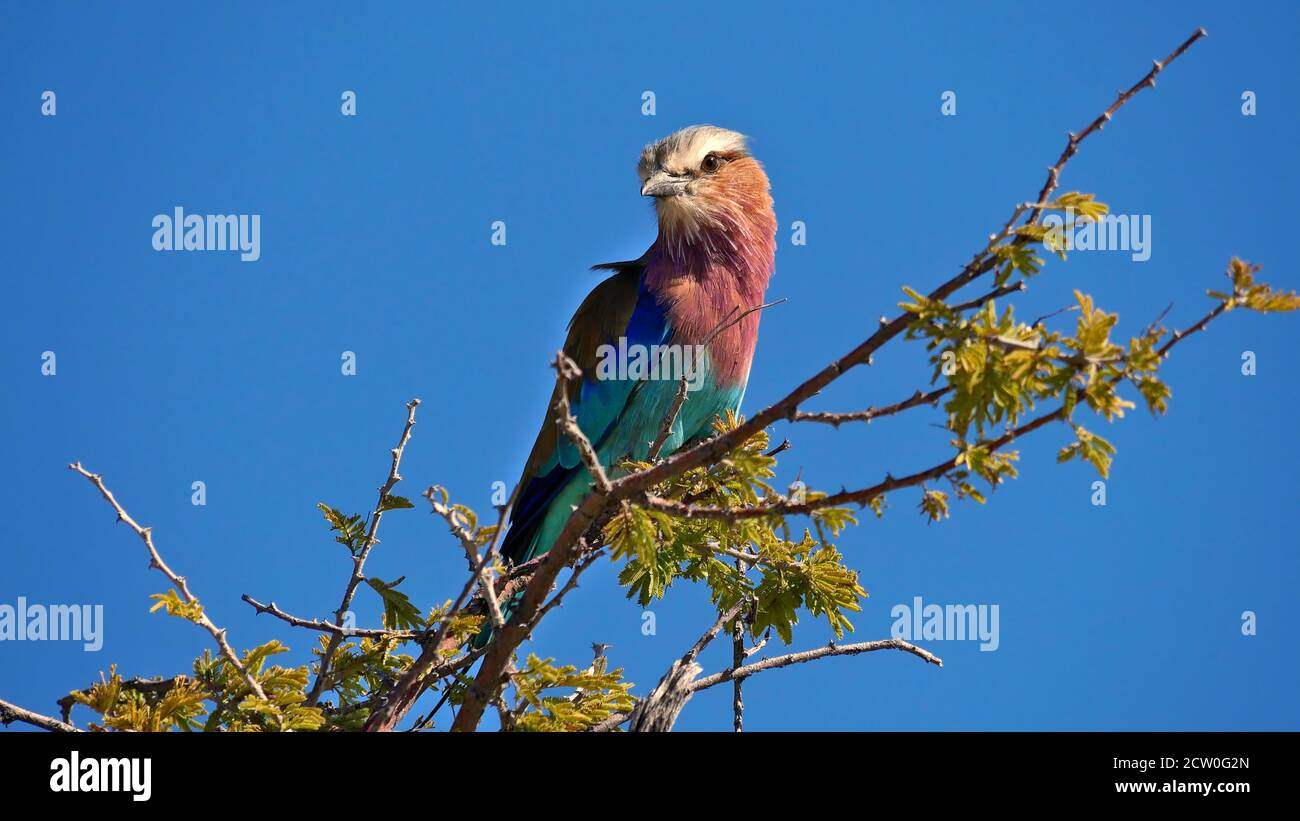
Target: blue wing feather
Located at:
point(597, 407)
point(620, 417)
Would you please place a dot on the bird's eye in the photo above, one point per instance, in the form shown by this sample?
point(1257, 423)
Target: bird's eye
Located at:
point(712, 162)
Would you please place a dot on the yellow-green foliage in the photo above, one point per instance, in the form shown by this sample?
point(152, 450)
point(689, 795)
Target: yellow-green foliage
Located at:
point(754, 558)
point(586, 698)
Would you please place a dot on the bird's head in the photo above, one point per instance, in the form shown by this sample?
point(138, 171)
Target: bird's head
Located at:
point(704, 181)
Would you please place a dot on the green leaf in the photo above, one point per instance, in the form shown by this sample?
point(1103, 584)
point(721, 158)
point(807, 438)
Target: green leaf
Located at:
point(392, 502)
point(351, 529)
point(399, 613)
point(1085, 205)
point(934, 505)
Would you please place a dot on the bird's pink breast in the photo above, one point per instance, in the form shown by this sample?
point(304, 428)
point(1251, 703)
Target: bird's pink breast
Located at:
point(702, 283)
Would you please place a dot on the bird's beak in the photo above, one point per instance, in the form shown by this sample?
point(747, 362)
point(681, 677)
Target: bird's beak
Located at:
point(663, 184)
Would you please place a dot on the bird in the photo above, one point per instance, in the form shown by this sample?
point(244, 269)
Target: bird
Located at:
point(710, 263)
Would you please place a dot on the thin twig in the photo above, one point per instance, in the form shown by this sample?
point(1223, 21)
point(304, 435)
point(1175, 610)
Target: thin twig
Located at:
point(479, 566)
point(679, 399)
point(996, 293)
point(864, 496)
point(659, 709)
point(570, 373)
point(737, 659)
point(322, 626)
point(586, 561)
point(712, 633)
point(359, 560)
point(739, 672)
point(1155, 323)
point(1058, 311)
point(758, 647)
point(869, 414)
point(423, 672)
point(156, 562)
point(9, 713)
point(1073, 141)
point(832, 649)
point(781, 448)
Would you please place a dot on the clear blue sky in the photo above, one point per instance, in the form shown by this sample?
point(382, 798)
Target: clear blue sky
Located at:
point(177, 367)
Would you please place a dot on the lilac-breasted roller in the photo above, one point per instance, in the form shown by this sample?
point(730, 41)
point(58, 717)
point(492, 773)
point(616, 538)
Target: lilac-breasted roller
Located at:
point(713, 256)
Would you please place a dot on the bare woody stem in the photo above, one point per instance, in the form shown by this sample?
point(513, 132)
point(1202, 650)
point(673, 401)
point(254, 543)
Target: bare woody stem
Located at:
point(570, 374)
point(739, 672)
point(156, 562)
point(737, 659)
point(359, 560)
point(416, 679)
point(322, 626)
point(10, 713)
point(490, 680)
point(660, 707)
point(869, 414)
point(479, 566)
point(1072, 144)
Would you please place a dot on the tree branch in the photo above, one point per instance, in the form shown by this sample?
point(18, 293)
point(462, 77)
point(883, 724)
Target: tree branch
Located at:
point(322, 626)
point(735, 673)
point(479, 566)
point(156, 562)
point(9, 713)
point(570, 373)
point(1073, 141)
point(864, 495)
point(739, 672)
point(869, 414)
point(359, 560)
point(658, 711)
